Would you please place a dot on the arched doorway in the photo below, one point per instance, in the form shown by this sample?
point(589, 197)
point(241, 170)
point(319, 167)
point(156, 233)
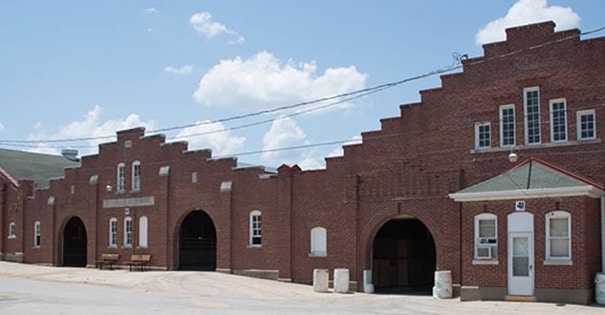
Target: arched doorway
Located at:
point(197, 242)
point(403, 257)
point(74, 243)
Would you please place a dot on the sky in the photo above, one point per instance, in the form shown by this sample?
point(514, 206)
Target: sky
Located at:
point(268, 82)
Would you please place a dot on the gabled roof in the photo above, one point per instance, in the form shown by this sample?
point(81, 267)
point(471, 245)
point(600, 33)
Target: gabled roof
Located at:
point(533, 178)
point(35, 166)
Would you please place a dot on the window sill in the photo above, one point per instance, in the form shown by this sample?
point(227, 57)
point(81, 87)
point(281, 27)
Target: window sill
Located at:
point(318, 255)
point(535, 146)
point(254, 246)
point(558, 263)
point(484, 262)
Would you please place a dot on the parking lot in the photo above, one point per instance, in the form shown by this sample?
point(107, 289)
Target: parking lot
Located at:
point(30, 289)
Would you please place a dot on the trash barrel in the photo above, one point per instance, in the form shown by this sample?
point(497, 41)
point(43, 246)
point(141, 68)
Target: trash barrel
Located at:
point(321, 279)
point(600, 288)
point(443, 284)
point(341, 280)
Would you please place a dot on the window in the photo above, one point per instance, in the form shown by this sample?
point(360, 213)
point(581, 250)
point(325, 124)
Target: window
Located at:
point(37, 234)
point(507, 125)
point(128, 232)
point(486, 236)
point(531, 99)
point(113, 232)
point(12, 230)
point(558, 120)
point(136, 176)
point(121, 178)
point(483, 135)
point(255, 228)
point(586, 125)
point(143, 231)
point(319, 242)
point(558, 235)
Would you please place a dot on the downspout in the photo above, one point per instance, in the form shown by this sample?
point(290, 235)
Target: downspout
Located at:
point(602, 233)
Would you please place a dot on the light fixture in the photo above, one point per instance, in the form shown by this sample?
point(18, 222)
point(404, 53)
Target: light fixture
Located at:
point(108, 187)
point(512, 156)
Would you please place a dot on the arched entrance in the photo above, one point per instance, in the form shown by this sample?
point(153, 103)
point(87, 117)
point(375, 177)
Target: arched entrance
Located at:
point(74, 243)
point(197, 242)
point(403, 257)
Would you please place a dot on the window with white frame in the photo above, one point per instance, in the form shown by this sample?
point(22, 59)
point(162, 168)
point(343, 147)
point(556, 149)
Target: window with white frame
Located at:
point(113, 232)
point(12, 230)
point(143, 231)
point(255, 228)
point(37, 234)
point(586, 122)
point(558, 120)
point(319, 242)
point(531, 102)
point(121, 178)
point(136, 176)
point(558, 235)
point(486, 236)
point(128, 232)
point(507, 125)
point(483, 135)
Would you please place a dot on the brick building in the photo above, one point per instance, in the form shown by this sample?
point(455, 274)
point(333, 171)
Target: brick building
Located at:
point(433, 189)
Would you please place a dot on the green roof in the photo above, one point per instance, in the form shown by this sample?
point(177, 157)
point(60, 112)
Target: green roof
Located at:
point(533, 178)
point(35, 166)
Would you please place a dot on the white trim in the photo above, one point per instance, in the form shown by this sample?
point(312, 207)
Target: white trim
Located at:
point(558, 214)
point(550, 108)
point(500, 110)
point(478, 126)
point(525, 115)
point(579, 115)
point(255, 232)
point(587, 190)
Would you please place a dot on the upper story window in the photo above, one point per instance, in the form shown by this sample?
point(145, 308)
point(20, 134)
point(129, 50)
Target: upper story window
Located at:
point(558, 120)
point(121, 178)
point(507, 125)
point(483, 135)
point(558, 235)
point(319, 242)
point(113, 232)
point(255, 228)
point(37, 234)
point(586, 122)
point(12, 230)
point(531, 104)
point(486, 236)
point(136, 176)
point(128, 232)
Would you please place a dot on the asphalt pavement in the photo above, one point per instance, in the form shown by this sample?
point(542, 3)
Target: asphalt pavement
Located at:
point(32, 289)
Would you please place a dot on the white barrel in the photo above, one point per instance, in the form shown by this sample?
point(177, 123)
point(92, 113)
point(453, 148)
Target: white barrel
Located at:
point(368, 286)
point(600, 288)
point(341, 280)
point(443, 284)
point(321, 280)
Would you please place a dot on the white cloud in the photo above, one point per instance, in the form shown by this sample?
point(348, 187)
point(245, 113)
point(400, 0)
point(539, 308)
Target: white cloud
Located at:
point(185, 69)
point(262, 82)
point(284, 132)
point(208, 135)
point(202, 22)
point(339, 150)
point(87, 127)
point(1, 127)
point(151, 10)
point(526, 12)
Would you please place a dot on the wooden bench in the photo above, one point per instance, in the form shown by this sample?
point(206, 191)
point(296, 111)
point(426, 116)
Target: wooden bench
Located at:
point(107, 260)
point(138, 262)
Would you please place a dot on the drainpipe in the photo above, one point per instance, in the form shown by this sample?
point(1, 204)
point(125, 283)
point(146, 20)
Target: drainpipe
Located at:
point(602, 233)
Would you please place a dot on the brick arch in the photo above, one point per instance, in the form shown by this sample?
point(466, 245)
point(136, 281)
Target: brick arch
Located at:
point(197, 248)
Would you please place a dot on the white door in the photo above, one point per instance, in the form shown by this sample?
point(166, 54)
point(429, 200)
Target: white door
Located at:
point(520, 263)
